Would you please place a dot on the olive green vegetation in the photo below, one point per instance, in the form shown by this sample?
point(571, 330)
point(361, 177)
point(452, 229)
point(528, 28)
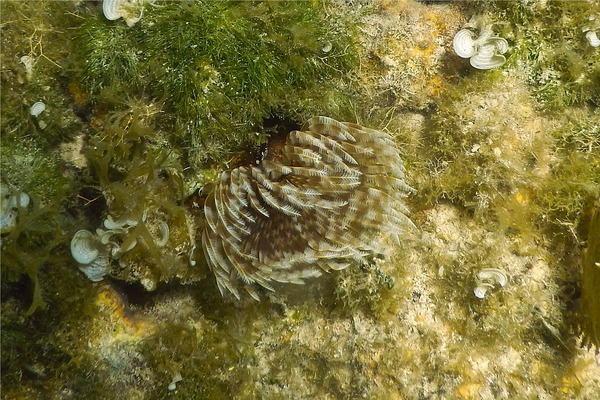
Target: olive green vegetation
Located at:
point(141, 180)
point(39, 237)
point(545, 169)
point(221, 68)
point(590, 285)
point(34, 30)
point(29, 147)
point(548, 42)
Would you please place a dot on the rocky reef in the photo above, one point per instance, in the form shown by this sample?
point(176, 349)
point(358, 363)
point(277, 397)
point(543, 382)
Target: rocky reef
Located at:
point(130, 126)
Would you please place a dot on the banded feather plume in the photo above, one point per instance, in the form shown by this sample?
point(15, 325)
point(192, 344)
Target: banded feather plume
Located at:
point(320, 203)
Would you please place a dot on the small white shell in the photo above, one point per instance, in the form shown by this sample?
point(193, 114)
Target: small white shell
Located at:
point(106, 235)
point(27, 61)
point(130, 10)
point(124, 224)
point(8, 219)
point(164, 234)
point(499, 43)
point(592, 37)
point(493, 275)
point(37, 108)
point(110, 9)
point(22, 201)
point(487, 278)
point(9, 204)
point(481, 289)
point(96, 270)
point(176, 379)
point(327, 47)
point(487, 58)
point(85, 247)
point(463, 44)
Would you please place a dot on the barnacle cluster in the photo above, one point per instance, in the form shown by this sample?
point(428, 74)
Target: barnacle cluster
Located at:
point(484, 51)
point(91, 255)
point(94, 252)
point(317, 205)
point(591, 31)
point(10, 203)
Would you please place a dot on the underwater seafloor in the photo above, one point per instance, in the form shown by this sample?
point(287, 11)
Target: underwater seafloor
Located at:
point(489, 298)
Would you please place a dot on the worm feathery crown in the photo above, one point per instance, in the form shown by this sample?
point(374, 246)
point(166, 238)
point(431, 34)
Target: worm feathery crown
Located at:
point(319, 204)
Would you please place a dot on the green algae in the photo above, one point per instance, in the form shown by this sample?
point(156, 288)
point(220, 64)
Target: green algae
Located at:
point(220, 68)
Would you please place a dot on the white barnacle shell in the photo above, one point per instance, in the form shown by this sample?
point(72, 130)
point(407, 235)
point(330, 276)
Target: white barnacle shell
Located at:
point(493, 275)
point(85, 247)
point(37, 108)
point(110, 9)
point(91, 254)
point(487, 278)
point(164, 234)
point(121, 224)
point(27, 62)
point(484, 52)
point(97, 269)
point(130, 10)
point(592, 37)
point(10, 203)
point(481, 289)
point(8, 217)
point(8, 220)
point(464, 44)
point(176, 379)
point(105, 235)
point(21, 201)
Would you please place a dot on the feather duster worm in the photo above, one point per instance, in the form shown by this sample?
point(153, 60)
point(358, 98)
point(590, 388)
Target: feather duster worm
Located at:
point(318, 204)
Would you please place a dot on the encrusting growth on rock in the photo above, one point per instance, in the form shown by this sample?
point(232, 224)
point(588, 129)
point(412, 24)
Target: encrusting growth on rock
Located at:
point(590, 285)
point(318, 204)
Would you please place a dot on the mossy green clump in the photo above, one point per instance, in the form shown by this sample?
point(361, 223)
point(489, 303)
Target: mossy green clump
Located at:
point(571, 186)
point(220, 67)
point(480, 150)
point(561, 66)
point(35, 51)
point(362, 287)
